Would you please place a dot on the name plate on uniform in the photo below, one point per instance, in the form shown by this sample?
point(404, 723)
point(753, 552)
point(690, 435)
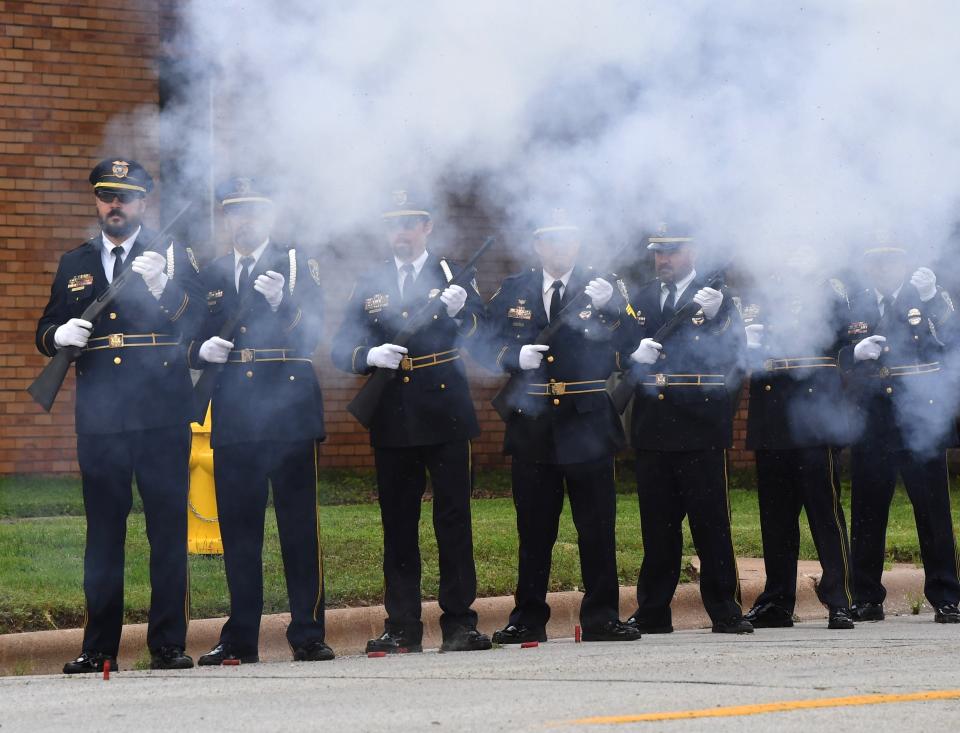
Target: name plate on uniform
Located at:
point(79, 282)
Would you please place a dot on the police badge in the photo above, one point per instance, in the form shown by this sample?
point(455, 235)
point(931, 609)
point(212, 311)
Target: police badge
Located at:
point(914, 317)
point(120, 168)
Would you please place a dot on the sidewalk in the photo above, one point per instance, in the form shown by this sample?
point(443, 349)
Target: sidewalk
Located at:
point(348, 629)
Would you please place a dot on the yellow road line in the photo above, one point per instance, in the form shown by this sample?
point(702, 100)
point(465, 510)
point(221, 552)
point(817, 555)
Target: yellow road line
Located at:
point(772, 707)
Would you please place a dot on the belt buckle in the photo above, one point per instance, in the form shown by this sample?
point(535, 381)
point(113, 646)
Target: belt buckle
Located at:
point(660, 379)
point(246, 355)
point(115, 340)
point(555, 389)
point(406, 363)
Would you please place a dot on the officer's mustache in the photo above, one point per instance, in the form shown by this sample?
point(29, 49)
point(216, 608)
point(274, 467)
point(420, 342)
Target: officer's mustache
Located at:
point(116, 212)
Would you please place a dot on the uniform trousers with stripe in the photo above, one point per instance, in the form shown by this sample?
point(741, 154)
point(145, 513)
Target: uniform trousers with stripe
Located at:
point(159, 460)
point(401, 483)
point(242, 472)
point(787, 481)
point(874, 477)
point(671, 485)
point(538, 490)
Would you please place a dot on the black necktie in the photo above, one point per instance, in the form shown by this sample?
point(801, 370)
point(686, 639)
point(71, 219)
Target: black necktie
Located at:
point(408, 278)
point(670, 304)
point(246, 267)
point(117, 263)
point(555, 299)
point(885, 302)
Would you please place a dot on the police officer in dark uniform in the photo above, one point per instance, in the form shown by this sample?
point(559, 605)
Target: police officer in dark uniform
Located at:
point(796, 425)
point(681, 428)
point(267, 415)
point(132, 410)
point(904, 382)
point(564, 430)
point(424, 423)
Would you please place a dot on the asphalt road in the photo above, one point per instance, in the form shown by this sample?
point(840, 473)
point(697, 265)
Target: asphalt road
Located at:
point(554, 687)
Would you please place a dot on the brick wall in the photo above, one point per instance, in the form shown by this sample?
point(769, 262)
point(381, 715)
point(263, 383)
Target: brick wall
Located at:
point(68, 70)
point(79, 80)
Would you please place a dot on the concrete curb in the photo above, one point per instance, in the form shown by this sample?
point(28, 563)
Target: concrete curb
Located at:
point(348, 629)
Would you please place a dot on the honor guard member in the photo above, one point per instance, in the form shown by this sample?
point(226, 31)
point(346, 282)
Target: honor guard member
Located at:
point(132, 410)
point(796, 426)
point(905, 333)
point(681, 428)
point(424, 423)
point(564, 431)
point(267, 416)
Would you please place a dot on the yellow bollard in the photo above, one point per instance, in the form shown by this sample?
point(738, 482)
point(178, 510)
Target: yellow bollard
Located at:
point(203, 528)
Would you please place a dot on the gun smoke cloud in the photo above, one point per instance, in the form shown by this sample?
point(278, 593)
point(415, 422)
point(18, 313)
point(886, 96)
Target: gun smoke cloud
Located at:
point(762, 127)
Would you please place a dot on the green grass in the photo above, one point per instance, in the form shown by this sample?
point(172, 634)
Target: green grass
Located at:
point(41, 558)
point(52, 496)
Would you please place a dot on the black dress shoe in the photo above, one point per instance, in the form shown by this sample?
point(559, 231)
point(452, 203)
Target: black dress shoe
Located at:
point(948, 614)
point(769, 616)
point(611, 631)
point(313, 651)
point(89, 662)
point(733, 625)
point(868, 612)
point(519, 634)
point(466, 640)
point(170, 657)
point(394, 642)
point(649, 627)
point(221, 653)
point(840, 618)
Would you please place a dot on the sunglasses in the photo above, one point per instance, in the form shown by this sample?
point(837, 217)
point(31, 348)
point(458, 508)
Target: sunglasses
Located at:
point(124, 197)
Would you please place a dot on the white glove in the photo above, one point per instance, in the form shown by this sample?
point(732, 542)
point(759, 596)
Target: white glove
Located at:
point(600, 292)
point(75, 332)
point(709, 301)
point(453, 297)
point(647, 352)
point(531, 356)
point(150, 266)
point(270, 286)
point(215, 350)
point(925, 282)
point(754, 335)
point(386, 356)
point(869, 348)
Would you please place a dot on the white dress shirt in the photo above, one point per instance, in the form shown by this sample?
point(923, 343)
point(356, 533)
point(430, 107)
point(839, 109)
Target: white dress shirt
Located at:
point(548, 280)
point(681, 286)
point(894, 295)
point(106, 252)
point(236, 262)
point(417, 266)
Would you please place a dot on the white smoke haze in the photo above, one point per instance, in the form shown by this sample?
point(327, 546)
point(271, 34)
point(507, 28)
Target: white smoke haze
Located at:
point(762, 127)
point(756, 122)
